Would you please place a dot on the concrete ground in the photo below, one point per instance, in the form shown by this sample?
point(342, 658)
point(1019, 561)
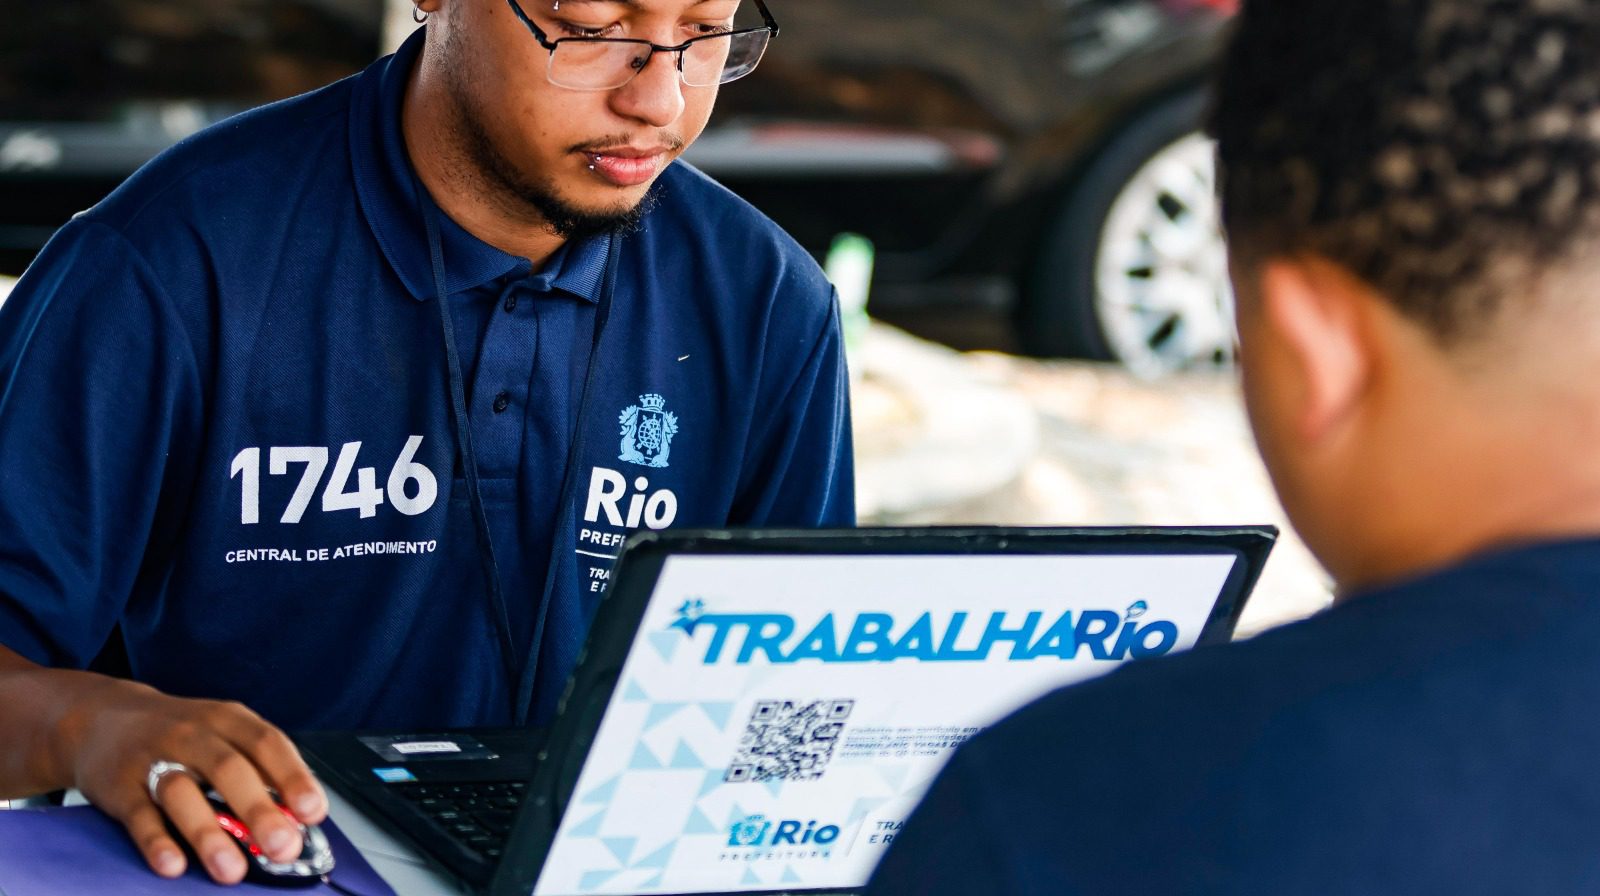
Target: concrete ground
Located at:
point(945, 437)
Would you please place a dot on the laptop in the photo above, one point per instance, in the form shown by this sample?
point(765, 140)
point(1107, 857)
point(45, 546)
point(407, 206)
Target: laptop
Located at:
point(759, 711)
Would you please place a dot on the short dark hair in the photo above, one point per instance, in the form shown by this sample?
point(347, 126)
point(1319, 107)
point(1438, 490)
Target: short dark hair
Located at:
point(1445, 151)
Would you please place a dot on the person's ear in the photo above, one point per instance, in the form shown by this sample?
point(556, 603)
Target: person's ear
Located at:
point(1316, 313)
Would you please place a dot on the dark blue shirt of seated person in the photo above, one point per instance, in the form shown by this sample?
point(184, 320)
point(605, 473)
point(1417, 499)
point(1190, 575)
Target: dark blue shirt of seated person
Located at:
point(1437, 736)
point(226, 421)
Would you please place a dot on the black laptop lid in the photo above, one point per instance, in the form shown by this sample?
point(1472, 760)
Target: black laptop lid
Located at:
point(758, 711)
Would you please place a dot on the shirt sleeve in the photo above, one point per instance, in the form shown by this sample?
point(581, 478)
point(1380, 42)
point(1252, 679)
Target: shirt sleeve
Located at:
point(99, 408)
point(802, 470)
point(949, 845)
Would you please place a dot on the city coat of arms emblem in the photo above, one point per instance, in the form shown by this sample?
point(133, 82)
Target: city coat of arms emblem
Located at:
point(647, 431)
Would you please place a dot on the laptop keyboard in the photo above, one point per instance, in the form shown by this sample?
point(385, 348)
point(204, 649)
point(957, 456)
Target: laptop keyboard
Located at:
point(478, 815)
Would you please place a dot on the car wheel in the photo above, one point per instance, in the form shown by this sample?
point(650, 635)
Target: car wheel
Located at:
point(1133, 268)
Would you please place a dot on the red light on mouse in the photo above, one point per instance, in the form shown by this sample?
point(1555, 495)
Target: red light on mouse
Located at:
point(1224, 7)
point(239, 831)
point(233, 826)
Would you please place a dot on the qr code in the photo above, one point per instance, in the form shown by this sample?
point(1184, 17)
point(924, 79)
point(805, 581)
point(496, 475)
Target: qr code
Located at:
point(787, 740)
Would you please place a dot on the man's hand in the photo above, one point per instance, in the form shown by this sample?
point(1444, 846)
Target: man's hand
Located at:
point(126, 727)
point(107, 734)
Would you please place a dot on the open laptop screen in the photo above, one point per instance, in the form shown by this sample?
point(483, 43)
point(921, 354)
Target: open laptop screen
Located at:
point(777, 717)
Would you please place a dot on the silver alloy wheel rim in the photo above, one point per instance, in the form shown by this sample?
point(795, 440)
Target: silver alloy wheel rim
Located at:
point(1162, 295)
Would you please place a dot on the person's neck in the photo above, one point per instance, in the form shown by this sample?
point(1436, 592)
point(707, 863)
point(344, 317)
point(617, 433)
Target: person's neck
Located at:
point(1495, 482)
point(433, 142)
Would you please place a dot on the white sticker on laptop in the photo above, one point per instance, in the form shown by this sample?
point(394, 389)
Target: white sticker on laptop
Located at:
point(778, 717)
point(413, 747)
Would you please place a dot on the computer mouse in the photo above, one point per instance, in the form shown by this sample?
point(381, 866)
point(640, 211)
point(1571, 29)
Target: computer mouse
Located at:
point(306, 870)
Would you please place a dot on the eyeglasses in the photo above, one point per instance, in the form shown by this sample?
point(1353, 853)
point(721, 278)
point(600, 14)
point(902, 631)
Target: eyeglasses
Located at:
point(606, 63)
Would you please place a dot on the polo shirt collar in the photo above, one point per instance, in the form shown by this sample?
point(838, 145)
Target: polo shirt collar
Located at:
point(386, 186)
point(577, 268)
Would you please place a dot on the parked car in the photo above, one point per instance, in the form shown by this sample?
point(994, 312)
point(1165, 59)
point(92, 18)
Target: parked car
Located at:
point(91, 89)
point(1040, 156)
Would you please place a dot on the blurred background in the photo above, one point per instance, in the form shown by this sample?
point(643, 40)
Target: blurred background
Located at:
point(1017, 194)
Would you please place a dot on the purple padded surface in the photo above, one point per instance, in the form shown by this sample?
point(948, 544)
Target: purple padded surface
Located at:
point(49, 852)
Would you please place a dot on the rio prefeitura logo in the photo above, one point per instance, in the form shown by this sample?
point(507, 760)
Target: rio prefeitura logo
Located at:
point(647, 431)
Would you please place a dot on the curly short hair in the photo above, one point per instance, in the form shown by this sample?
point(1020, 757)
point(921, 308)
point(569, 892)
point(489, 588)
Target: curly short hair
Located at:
point(1445, 151)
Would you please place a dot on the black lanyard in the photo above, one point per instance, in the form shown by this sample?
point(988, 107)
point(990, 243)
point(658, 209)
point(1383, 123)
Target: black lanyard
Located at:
point(524, 677)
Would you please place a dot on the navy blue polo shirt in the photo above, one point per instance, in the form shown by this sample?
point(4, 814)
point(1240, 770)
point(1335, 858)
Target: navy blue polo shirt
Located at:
point(226, 421)
point(1433, 736)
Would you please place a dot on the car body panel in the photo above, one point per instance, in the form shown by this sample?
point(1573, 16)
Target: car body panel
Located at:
point(965, 122)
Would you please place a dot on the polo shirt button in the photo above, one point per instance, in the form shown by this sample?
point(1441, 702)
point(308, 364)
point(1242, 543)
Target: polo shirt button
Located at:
point(511, 302)
point(502, 401)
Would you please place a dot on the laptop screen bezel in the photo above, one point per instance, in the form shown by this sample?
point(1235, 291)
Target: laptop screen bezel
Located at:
point(622, 607)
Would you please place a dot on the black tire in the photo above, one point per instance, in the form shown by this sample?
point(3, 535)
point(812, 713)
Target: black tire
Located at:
point(1057, 316)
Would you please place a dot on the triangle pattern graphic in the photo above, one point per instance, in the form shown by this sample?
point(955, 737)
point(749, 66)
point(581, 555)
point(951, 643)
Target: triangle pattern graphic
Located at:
point(895, 777)
point(774, 785)
point(621, 847)
point(660, 712)
point(789, 876)
point(666, 643)
point(718, 713)
point(643, 758)
point(603, 792)
point(684, 757)
point(864, 805)
point(632, 693)
point(589, 827)
point(749, 877)
point(698, 823)
point(657, 859)
point(712, 782)
point(591, 880)
point(654, 882)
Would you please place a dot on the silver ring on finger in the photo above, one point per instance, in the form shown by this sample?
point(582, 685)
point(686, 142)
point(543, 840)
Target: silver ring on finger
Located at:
point(160, 769)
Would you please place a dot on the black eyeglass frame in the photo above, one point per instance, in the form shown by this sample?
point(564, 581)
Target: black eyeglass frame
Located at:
point(769, 25)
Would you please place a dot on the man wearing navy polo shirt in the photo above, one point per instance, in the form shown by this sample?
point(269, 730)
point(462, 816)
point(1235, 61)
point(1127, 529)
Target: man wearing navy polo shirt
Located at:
point(1411, 190)
point(341, 409)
